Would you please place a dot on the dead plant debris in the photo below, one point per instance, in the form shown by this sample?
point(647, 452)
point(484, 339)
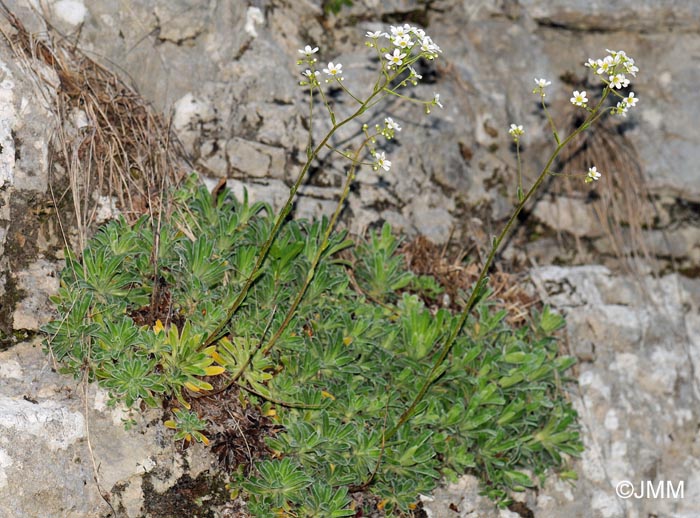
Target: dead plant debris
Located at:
point(423, 257)
point(109, 143)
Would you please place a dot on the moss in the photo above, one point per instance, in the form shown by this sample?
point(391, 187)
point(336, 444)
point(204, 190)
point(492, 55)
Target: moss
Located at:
point(11, 296)
point(188, 497)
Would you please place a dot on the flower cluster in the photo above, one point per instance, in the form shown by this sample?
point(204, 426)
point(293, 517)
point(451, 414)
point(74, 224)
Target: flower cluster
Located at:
point(311, 75)
point(625, 104)
point(389, 128)
point(516, 131)
point(593, 175)
point(613, 65)
point(613, 70)
point(541, 84)
point(333, 70)
point(404, 39)
point(405, 46)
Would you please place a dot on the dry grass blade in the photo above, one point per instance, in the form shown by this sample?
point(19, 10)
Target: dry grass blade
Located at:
point(622, 202)
point(423, 257)
point(108, 141)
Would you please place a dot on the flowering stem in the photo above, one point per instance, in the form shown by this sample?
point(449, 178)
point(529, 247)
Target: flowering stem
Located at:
point(310, 143)
point(406, 97)
point(551, 121)
point(319, 253)
point(285, 212)
point(520, 171)
point(340, 83)
point(348, 156)
point(310, 274)
point(327, 104)
point(478, 289)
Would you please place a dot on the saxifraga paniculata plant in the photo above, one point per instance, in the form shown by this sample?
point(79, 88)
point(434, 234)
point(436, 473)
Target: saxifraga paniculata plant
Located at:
point(372, 391)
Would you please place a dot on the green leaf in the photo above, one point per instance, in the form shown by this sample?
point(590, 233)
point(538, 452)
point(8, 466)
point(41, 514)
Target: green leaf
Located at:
point(518, 479)
point(279, 481)
point(509, 381)
point(550, 322)
point(379, 269)
point(517, 357)
point(334, 6)
point(563, 363)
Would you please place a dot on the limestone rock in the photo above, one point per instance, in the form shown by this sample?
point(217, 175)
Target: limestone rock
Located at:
point(644, 349)
point(645, 15)
point(45, 425)
point(38, 283)
point(256, 160)
point(568, 215)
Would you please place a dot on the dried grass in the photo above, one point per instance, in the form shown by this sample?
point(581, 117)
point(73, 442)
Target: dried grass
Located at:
point(107, 139)
point(622, 203)
point(423, 257)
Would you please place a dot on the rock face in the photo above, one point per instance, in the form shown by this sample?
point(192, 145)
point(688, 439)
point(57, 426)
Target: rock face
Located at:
point(638, 394)
point(25, 122)
point(51, 430)
point(226, 72)
point(638, 343)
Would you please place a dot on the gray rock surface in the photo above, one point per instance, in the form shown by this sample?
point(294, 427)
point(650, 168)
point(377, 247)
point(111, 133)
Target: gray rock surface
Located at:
point(638, 387)
point(25, 127)
point(239, 110)
point(52, 440)
point(638, 394)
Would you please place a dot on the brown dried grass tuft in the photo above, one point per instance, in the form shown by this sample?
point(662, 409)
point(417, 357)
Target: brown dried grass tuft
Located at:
point(423, 257)
point(621, 200)
point(107, 140)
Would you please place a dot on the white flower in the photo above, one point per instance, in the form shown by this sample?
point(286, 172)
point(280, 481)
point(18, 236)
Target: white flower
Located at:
point(382, 162)
point(399, 31)
point(516, 131)
point(541, 84)
point(395, 59)
point(427, 45)
point(418, 32)
point(630, 67)
point(402, 42)
point(630, 100)
point(334, 69)
point(374, 35)
point(436, 99)
point(604, 65)
point(593, 175)
point(579, 98)
point(625, 104)
point(308, 51)
point(619, 81)
point(621, 109)
point(591, 63)
point(414, 74)
point(392, 124)
point(618, 56)
point(311, 75)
